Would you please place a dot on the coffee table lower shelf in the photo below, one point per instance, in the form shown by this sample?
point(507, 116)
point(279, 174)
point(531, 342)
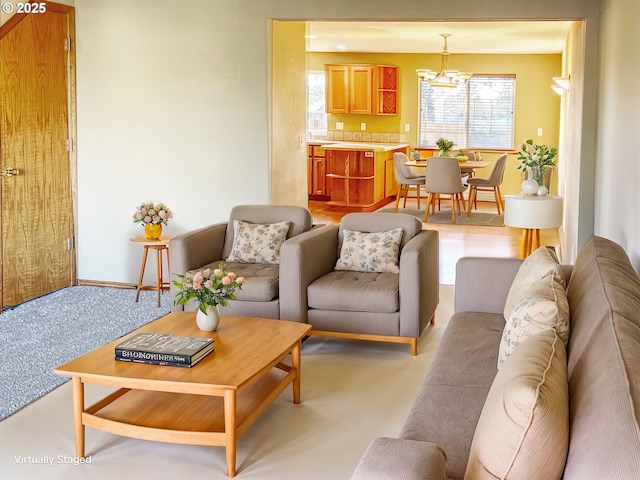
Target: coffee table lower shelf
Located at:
point(211, 420)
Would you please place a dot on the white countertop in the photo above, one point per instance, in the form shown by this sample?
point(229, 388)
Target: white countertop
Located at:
point(376, 147)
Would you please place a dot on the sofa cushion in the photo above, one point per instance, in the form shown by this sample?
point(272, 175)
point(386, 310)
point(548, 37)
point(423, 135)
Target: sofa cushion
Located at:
point(355, 291)
point(545, 306)
point(523, 430)
point(257, 242)
point(380, 222)
point(449, 403)
point(262, 280)
point(370, 252)
point(300, 218)
point(604, 361)
point(541, 263)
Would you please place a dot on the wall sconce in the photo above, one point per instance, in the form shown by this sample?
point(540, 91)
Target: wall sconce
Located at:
point(561, 85)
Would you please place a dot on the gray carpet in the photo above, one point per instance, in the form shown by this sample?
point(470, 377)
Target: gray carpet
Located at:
point(39, 335)
point(444, 216)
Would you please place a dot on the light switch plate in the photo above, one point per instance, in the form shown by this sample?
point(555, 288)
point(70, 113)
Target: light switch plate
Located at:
point(363, 126)
point(539, 131)
point(407, 127)
point(339, 126)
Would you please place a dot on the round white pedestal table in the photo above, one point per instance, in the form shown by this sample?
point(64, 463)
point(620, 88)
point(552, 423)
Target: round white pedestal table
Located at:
point(532, 213)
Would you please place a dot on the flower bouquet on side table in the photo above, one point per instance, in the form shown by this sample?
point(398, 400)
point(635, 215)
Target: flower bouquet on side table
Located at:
point(209, 289)
point(152, 216)
point(534, 160)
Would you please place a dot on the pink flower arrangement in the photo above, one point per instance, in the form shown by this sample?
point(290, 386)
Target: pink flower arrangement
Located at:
point(152, 213)
point(208, 287)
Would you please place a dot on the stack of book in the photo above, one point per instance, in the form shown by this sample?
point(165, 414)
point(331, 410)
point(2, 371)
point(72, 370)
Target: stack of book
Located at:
point(164, 349)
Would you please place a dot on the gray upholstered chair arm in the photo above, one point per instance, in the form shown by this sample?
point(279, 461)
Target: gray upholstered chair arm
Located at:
point(483, 283)
point(388, 458)
point(318, 247)
point(195, 249)
point(419, 280)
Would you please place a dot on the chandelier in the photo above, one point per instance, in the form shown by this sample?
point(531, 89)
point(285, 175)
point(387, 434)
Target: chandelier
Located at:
point(445, 78)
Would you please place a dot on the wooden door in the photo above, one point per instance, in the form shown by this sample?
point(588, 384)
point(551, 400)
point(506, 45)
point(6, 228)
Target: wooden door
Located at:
point(36, 221)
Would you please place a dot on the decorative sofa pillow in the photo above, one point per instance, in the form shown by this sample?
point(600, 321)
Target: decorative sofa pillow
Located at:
point(370, 252)
point(545, 306)
point(523, 430)
point(541, 263)
point(257, 242)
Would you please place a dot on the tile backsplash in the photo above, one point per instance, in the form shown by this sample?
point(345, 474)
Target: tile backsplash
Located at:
point(375, 137)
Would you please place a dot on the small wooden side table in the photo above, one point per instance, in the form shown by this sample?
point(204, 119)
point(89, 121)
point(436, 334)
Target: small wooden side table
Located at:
point(532, 213)
point(161, 245)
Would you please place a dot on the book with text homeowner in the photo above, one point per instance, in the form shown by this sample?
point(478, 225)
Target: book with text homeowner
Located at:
point(163, 349)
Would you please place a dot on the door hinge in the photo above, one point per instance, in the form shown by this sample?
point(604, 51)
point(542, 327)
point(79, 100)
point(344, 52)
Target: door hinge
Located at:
point(71, 243)
point(67, 44)
point(69, 144)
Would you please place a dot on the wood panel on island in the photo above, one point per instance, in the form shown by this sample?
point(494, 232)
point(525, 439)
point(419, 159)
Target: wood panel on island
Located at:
point(360, 178)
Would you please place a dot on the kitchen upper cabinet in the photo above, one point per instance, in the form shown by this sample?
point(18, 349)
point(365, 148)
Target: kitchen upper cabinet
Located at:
point(350, 89)
point(386, 90)
point(362, 89)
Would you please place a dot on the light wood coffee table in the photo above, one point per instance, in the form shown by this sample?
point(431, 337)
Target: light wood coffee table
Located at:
point(212, 403)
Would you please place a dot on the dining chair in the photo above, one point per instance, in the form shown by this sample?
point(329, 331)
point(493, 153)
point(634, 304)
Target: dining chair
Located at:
point(491, 183)
point(444, 178)
point(471, 156)
point(406, 179)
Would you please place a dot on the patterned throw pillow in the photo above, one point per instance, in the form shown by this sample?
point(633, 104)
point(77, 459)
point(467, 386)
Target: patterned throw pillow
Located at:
point(370, 252)
point(541, 263)
point(257, 242)
point(544, 307)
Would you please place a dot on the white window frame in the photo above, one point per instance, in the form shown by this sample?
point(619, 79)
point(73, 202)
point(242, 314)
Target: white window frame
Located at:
point(316, 108)
point(468, 115)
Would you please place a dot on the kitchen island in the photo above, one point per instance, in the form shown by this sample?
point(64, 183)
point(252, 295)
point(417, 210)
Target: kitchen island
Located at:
point(360, 175)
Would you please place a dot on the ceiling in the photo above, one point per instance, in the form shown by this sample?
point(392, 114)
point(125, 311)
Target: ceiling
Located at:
point(424, 37)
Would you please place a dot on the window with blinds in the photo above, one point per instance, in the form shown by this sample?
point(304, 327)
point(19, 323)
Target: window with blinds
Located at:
point(476, 115)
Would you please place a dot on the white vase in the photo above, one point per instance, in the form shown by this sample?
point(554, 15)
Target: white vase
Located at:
point(208, 322)
point(529, 187)
point(543, 191)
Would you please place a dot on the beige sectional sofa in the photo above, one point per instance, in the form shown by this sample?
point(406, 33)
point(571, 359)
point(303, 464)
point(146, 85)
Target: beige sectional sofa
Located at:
point(549, 411)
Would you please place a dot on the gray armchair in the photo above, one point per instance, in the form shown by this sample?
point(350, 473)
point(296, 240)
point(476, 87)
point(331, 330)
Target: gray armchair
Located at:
point(208, 246)
point(389, 307)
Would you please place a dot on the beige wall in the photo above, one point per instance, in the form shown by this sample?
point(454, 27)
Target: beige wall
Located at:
point(617, 167)
point(289, 149)
point(174, 105)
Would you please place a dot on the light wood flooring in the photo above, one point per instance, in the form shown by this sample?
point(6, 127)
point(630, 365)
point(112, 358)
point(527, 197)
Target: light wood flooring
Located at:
point(456, 241)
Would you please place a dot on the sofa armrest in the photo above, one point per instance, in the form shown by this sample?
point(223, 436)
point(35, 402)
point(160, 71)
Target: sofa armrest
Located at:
point(483, 283)
point(419, 282)
point(303, 259)
point(387, 458)
point(195, 249)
